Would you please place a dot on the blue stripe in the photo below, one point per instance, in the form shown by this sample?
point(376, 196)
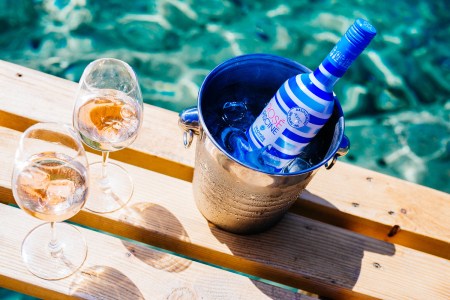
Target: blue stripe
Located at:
point(295, 137)
point(285, 97)
point(285, 144)
point(332, 69)
point(315, 90)
point(304, 129)
point(320, 76)
point(279, 105)
point(317, 121)
point(309, 102)
point(276, 153)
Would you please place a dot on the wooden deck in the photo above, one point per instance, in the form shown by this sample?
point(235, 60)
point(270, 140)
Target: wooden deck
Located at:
point(354, 233)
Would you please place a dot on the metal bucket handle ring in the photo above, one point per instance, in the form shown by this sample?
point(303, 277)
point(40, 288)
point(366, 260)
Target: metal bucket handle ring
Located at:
point(344, 147)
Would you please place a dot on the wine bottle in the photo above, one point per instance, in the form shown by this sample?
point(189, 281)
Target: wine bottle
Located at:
point(304, 103)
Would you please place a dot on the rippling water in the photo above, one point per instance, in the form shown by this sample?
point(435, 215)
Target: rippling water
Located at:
point(396, 96)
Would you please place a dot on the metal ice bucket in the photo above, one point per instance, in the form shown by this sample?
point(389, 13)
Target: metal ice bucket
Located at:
point(231, 194)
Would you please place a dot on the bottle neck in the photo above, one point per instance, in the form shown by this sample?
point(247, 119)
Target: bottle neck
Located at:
point(334, 66)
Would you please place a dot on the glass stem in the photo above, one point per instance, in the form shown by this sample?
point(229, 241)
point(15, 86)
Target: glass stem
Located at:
point(105, 156)
point(54, 245)
point(53, 240)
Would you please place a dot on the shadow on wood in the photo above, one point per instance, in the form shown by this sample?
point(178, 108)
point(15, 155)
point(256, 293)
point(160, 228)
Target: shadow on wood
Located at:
point(315, 256)
point(159, 219)
point(158, 259)
point(102, 282)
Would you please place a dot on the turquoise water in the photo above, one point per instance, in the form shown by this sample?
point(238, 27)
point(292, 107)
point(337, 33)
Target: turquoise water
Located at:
point(396, 97)
point(9, 295)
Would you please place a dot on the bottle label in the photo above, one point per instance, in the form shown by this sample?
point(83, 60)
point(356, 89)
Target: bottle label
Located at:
point(268, 125)
point(294, 114)
point(298, 117)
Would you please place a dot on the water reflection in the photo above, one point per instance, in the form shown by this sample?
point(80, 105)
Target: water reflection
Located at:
point(158, 259)
point(102, 282)
point(156, 219)
point(183, 293)
point(404, 75)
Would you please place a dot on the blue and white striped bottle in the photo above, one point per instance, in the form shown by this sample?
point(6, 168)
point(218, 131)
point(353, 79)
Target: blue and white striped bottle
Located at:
point(304, 103)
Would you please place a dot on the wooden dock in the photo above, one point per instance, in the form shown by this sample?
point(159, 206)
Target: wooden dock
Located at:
point(353, 233)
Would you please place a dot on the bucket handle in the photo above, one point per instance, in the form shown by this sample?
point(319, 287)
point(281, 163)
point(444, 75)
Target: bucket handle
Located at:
point(344, 147)
point(189, 122)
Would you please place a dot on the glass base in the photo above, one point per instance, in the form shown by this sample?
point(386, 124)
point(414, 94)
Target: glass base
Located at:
point(110, 193)
point(54, 261)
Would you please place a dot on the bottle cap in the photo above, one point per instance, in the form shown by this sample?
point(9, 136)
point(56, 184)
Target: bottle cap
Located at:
point(360, 33)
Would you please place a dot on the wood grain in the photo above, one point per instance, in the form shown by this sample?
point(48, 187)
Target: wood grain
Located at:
point(37, 97)
point(118, 269)
point(347, 196)
point(299, 252)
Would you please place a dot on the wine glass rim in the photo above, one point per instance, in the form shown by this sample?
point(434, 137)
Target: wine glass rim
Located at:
point(62, 162)
point(68, 131)
point(130, 70)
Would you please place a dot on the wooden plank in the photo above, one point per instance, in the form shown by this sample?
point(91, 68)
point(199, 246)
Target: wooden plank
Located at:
point(35, 97)
point(118, 269)
point(299, 252)
point(379, 206)
point(366, 202)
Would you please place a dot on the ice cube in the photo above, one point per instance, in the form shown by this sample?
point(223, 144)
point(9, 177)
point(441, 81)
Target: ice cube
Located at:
point(59, 191)
point(132, 125)
point(109, 133)
point(90, 131)
point(34, 178)
point(235, 142)
point(127, 112)
point(297, 165)
point(128, 129)
point(116, 125)
point(233, 111)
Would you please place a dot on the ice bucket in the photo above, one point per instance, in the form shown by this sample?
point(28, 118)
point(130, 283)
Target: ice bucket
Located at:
point(231, 194)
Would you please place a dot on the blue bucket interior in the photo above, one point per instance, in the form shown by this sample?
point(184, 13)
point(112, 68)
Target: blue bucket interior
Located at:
point(261, 75)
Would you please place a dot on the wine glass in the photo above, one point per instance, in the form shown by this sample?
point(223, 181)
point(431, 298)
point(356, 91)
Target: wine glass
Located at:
point(50, 182)
point(108, 115)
